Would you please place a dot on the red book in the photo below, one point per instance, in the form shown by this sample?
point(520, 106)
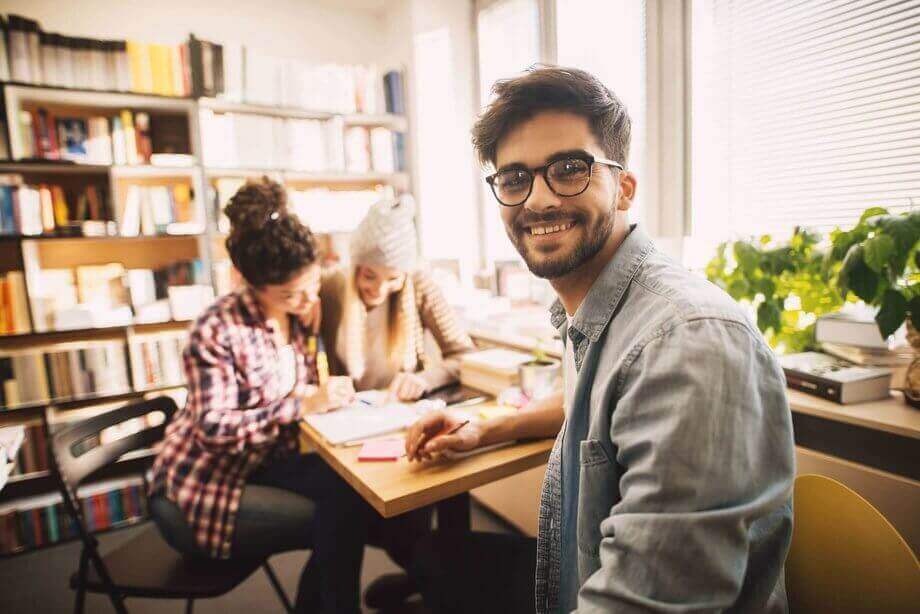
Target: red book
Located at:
point(102, 513)
point(46, 136)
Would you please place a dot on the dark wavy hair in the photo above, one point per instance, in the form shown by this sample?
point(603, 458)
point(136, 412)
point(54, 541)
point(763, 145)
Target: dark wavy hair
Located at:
point(268, 245)
point(553, 88)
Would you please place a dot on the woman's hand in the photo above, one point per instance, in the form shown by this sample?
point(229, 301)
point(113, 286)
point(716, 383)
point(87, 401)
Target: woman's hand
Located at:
point(429, 436)
point(407, 387)
point(335, 393)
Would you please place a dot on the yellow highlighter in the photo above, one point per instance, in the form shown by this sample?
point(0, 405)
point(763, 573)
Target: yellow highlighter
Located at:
point(322, 367)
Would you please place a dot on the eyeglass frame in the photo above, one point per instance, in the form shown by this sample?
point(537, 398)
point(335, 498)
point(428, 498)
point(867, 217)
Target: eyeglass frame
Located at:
point(590, 159)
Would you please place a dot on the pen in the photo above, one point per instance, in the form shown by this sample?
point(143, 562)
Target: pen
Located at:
point(456, 428)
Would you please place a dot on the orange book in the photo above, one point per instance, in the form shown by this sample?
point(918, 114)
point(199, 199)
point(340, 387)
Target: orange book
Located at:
point(6, 315)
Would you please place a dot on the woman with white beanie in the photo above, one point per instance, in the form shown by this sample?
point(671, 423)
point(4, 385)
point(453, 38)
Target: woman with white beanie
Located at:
point(376, 312)
point(374, 316)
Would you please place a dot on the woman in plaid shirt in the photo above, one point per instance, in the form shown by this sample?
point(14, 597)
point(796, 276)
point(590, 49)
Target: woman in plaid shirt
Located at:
point(228, 481)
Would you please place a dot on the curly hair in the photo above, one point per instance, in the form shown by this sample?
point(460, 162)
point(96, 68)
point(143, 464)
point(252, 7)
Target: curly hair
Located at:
point(268, 245)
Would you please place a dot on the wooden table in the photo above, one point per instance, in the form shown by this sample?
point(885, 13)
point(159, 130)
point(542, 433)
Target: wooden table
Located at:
point(395, 487)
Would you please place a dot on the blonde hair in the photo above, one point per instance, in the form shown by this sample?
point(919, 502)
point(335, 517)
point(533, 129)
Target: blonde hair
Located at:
point(402, 327)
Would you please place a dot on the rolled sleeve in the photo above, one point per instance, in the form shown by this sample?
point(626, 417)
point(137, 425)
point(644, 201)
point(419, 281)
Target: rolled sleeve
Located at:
point(702, 435)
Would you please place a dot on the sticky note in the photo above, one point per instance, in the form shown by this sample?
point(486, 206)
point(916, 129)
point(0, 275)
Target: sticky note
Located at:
point(382, 450)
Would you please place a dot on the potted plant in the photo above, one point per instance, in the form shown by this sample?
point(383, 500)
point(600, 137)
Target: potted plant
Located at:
point(785, 282)
point(539, 377)
point(878, 261)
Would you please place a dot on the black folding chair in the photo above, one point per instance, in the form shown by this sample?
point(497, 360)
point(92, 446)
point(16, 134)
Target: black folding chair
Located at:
point(145, 566)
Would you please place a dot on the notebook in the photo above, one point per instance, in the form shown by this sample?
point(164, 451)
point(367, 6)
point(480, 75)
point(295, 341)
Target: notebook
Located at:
point(363, 421)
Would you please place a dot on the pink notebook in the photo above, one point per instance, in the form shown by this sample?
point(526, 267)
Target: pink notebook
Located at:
point(382, 450)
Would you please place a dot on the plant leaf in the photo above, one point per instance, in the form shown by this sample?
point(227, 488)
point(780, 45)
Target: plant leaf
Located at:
point(769, 316)
point(878, 251)
point(857, 277)
point(872, 212)
point(747, 257)
point(891, 313)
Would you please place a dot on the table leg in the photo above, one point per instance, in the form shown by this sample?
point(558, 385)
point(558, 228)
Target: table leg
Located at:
point(454, 513)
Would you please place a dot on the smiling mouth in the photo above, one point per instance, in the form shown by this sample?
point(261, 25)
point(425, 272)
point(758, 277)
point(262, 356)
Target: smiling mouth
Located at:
point(549, 229)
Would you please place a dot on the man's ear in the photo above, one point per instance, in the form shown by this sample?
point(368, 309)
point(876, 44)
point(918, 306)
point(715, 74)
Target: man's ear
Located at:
point(627, 191)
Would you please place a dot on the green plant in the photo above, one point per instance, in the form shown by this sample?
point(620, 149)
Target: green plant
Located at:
point(787, 283)
point(878, 261)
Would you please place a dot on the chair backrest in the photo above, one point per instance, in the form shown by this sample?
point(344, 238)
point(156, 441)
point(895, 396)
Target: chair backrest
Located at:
point(74, 463)
point(845, 556)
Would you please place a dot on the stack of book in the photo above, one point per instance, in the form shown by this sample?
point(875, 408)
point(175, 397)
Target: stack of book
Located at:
point(854, 336)
point(492, 370)
point(31, 55)
point(834, 379)
point(93, 296)
point(14, 307)
point(239, 140)
point(378, 149)
point(41, 521)
point(127, 138)
point(23, 378)
point(44, 209)
point(90, 369)
point(159, 210)
point(156, 360)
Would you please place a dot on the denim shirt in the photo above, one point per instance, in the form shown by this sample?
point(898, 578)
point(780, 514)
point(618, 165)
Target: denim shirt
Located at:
point(669, 488)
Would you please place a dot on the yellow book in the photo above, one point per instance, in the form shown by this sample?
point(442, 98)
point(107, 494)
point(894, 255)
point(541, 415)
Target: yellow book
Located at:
point(6, 317)
point(61, 213)
point(160, 67)
point(134, 62)
point(145, 70)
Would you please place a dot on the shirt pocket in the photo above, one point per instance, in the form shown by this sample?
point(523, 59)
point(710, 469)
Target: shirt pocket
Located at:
point(597, 491)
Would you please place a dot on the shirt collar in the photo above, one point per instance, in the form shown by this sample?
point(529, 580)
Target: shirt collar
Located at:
point(608, 289)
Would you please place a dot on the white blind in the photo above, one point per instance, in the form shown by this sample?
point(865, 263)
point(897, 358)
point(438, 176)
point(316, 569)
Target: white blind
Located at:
point(803, 113)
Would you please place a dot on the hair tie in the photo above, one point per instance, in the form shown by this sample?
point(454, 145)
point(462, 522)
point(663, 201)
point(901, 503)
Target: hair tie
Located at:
point(274, 215)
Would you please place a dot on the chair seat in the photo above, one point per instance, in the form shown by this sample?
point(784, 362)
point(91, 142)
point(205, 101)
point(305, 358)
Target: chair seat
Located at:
point(146, 566)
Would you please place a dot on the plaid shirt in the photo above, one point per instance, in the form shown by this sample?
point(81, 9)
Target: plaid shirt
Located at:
point(235, 419)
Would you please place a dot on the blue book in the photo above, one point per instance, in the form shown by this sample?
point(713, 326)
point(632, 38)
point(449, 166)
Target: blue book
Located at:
point(7, 210)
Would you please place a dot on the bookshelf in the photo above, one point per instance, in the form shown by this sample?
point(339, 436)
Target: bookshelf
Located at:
point(181, 138)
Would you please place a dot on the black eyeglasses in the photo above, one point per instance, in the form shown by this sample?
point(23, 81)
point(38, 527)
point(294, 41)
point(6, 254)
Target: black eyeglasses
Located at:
point(569, 176)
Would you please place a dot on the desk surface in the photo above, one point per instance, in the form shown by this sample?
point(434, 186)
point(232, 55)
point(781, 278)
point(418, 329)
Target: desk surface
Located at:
point(400, 486)
point(891, 415)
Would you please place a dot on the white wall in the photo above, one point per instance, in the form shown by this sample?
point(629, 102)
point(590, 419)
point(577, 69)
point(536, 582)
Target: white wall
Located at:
point(286, 28)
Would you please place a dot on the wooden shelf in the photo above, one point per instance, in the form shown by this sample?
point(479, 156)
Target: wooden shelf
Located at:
point(89, 400)
point(305, 177)
point(891, 415)
point(389, 120)
point(90, 91)
point(18, 238)
point(17, 93)
point(136, 327)
point(50, 166)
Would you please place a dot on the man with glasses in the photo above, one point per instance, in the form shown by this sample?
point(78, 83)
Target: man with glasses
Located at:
point(669, 488)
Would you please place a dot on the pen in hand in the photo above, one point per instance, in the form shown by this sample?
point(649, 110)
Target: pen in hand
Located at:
point(455, 429)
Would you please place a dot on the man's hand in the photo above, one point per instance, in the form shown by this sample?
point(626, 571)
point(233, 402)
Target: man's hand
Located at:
point(407, 387)
point(429, 436)
point(336, 392)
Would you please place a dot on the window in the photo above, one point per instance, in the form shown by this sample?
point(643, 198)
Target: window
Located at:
point(509, 42)
point(803, 113)
point(607, 38)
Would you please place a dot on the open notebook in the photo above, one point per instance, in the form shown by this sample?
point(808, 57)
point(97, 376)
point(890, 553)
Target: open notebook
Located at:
point(363, 421)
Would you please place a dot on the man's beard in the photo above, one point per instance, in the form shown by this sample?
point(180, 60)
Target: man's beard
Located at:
point(551, 268)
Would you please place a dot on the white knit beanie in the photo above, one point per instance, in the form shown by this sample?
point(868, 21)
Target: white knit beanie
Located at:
point(386, 236)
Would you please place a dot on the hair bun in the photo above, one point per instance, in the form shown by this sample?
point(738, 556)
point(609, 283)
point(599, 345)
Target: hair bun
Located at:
point(255, 205)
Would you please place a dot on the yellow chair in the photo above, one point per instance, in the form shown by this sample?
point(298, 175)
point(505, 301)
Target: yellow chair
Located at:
point(845, 556)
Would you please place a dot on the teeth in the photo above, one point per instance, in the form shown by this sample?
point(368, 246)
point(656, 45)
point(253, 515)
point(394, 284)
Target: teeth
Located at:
point(545, 230)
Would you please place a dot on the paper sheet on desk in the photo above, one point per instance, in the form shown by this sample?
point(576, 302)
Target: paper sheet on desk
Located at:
point(363, 421)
